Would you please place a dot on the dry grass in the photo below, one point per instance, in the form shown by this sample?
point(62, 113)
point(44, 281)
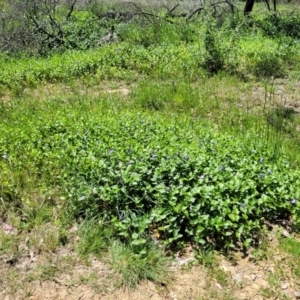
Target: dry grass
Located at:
point(42, 269)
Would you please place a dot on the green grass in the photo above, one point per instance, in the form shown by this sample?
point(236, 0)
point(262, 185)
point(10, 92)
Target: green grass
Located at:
point(71, 133)
point(95, 237)
point(188, 154)
point(133, 268)
point(150, 168)
point(291, 247)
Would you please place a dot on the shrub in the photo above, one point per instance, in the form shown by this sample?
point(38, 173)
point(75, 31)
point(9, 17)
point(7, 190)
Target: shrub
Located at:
point(214, 57)
point(280, 25)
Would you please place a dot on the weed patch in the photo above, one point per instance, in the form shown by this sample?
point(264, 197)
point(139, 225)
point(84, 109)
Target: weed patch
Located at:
point(138, 172)
point(186, 160)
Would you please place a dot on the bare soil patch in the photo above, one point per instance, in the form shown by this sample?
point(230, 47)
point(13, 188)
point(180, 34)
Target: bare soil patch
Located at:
point(31, 271)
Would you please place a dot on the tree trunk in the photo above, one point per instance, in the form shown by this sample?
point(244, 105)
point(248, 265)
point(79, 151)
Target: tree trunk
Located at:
point(248, 7)
point(274, 4)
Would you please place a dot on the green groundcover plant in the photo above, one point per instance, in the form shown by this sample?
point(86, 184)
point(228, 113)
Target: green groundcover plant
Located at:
point(139, 173)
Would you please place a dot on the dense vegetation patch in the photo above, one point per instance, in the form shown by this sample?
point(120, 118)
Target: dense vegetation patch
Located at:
point(250, 56)
point(69, 46)
point(140, 173)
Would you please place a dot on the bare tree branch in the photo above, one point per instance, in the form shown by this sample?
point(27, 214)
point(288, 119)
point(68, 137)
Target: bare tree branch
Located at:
point(198, 10)
point(214, 6)
point(72, 6)
point(274, 5)
point(156, 16)
point(268, 4)
point(169, 13)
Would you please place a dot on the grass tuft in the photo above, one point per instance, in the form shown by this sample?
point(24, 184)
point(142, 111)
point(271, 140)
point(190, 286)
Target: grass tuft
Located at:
point(133, 267)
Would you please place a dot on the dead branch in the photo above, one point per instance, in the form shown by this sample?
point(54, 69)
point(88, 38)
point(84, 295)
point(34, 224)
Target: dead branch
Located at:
point(169, 13)
point(197, 11)
point(268, 4)
point(135, 6)
point(156, 16)
point(232, 6)
point(214, 6)
point(275, 5)
point(72, 6)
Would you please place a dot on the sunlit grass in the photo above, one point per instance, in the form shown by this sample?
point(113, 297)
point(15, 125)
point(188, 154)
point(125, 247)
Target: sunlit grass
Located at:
point(52, 109)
